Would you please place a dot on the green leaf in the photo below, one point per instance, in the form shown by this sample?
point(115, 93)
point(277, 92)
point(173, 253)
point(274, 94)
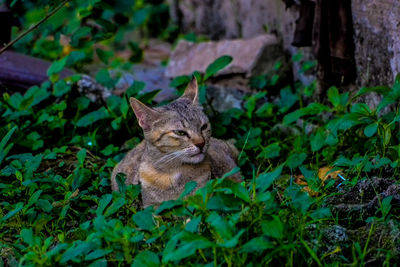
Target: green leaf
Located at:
point(44, 204)
point(296, 160)
point(104, 55)
point(32, 200)
point(334, 96)
point(120, 178)
point(371, 129)
point(92, 117)
point(18, 207)
point(220, 225)
point(115, 206)
point(376, 89)
point(240, 191)
point(273, 228)
point(103, 77)
point(4, 148)
point(98, 253)
point(193, 225)
point(311, 109)
point(217, 65)
point(180, 81)
point(81, 155)
point(317, 141)
point(78, 249)
point(57, 66)
point(190, 243)
point(146, 259)
point(75, 56)
point(189, 187)
point(299, 199)
point(144, 219)
point(271, 151)
point(265, 180)
point(104, 201)
point(27, 236)
point(167, 205)
point(61, 88)
point(257, 244)
point(148, 97)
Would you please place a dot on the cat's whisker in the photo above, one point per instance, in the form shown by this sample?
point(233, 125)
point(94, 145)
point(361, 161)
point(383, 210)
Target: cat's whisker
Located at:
point(165, 160)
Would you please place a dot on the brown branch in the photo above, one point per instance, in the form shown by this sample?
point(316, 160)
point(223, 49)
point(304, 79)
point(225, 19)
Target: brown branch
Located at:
point(33, 27)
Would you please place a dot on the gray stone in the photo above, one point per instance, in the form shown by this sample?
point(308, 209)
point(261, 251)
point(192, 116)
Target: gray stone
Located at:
point(250, 56)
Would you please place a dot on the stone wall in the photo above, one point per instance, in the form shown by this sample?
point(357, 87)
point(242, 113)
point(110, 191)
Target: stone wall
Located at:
point(376, 28)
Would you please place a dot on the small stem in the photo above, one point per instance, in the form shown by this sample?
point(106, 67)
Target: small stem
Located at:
point(10, 44)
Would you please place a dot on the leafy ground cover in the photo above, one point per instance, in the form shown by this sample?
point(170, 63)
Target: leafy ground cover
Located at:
point(57, 150)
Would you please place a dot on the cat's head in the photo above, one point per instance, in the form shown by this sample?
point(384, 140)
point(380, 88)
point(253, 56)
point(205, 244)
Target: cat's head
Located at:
point(180, 130)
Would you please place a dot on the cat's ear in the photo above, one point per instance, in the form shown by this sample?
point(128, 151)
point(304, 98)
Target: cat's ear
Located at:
point(144, 114)
point(192, 91)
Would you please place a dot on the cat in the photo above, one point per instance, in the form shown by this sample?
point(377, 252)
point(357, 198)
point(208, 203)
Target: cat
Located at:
point(177, 148)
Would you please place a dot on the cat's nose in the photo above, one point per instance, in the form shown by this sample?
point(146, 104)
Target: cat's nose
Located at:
point(200, 144)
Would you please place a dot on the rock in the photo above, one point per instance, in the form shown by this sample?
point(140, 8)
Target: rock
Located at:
point(250, 56)
point(150, 71)
point(363, 200)
point(89, 87)
point(224, 98)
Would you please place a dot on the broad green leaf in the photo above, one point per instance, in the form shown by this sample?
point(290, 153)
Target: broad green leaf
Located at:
point(180, 81)
point(81, 155)
point(273, 228)
point(270, 151)
point(57, 66)
point(240, 191)
point(98, 253)
point(217, 65)
point(295, 160)
point(376, 89)
point(104, 201)
point(311, 109)
point(193, 225)
point(121, 178)
point(27, 236)
point(317, 140)
point(144, 219)
point(61, 88)
point(92, 117)
point(265, 180)
point(257, 244)
point(334, 96)
point(32, 200)
point(146, 259)
point(167, 205)
point(44, 204)
point(78, 249)
point(189, 244)
point(189, 187)
point(115, 206)
point(371, 129)
point(148, 97)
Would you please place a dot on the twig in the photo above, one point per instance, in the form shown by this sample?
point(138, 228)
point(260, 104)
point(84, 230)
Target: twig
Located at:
point(10, 44)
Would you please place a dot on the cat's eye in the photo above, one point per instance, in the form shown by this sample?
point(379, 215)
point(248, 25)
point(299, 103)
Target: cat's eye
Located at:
point(180, 133)
point(204, 127)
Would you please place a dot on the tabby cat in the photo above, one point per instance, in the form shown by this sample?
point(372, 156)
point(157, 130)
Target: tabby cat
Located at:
point(177, 148)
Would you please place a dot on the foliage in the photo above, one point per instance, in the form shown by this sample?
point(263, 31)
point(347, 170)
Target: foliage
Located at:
point(57, 149)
